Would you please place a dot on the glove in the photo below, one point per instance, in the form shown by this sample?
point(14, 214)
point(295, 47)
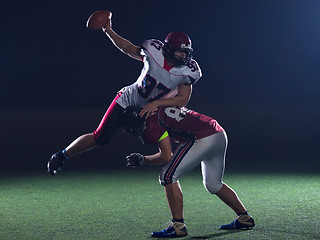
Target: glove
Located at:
point(134, 160)
point(55, 163)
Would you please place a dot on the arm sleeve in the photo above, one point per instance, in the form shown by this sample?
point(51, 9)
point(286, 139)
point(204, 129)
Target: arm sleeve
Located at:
point(153, 131)
point(163, 136)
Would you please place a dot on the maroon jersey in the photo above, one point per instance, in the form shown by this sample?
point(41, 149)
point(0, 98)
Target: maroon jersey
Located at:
point(182, 124)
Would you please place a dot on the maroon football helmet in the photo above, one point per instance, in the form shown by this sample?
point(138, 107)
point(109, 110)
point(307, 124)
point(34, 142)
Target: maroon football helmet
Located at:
point(177, 41)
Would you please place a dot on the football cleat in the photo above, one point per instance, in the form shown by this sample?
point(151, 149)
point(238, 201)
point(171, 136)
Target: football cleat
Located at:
point(241, 222)
point(176, 229)
point(55, 163)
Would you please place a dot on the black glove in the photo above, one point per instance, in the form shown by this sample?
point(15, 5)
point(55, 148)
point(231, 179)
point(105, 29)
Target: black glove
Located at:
point(134, 160)
point(55, 163)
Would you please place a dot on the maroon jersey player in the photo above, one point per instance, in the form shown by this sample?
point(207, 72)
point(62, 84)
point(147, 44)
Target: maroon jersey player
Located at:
point(201, 141)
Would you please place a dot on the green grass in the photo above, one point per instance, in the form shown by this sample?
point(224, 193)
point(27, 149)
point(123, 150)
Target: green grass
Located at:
point(130, 204)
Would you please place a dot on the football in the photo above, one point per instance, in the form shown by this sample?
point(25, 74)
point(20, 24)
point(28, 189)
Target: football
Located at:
point(98, 19)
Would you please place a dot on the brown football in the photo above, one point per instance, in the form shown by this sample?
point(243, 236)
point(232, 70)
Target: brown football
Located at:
point(98, 19)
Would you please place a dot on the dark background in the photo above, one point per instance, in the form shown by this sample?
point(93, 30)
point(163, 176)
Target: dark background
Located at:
point(260, 62)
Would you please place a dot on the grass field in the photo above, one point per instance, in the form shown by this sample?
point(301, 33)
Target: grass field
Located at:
point(130, 204)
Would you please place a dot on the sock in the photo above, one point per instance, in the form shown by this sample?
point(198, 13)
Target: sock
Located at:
point(178, 220)
point(64, 153)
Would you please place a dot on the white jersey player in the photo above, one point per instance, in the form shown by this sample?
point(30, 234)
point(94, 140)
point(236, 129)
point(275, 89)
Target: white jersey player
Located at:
point(157, 78)
point(166, 80)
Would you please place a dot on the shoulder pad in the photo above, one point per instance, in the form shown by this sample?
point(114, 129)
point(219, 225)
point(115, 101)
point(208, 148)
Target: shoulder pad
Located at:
point(152, 44)
point(194, 71)
point(153, 48)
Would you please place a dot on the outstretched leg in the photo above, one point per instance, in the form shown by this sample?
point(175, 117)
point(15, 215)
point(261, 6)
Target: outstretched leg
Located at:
point(106, 129)
point(212, 171)
point(229, 197)
point(81, 144)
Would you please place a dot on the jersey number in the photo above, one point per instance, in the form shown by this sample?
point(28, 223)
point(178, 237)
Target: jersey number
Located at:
point(157, 44)
point(176, 113)
point(148, 84)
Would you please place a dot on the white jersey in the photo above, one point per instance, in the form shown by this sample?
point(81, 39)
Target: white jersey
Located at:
point(155, 81)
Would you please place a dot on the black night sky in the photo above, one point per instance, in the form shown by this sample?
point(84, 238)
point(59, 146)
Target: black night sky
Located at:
point(260, 62)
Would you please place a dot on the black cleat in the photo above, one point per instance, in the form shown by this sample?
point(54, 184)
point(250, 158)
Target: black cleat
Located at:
point(55, 163)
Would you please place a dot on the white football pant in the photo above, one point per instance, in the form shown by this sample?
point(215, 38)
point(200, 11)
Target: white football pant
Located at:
point(209, 151)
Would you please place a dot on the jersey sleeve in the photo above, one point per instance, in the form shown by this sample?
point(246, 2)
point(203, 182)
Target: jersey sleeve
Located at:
point(152, 47)
point(153, 131)
point(146, 45)
point(194, 72)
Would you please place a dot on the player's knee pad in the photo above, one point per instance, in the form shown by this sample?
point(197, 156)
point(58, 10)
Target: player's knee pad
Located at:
point(163, 180)
point(212, 188)
point(164, 183)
